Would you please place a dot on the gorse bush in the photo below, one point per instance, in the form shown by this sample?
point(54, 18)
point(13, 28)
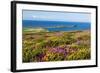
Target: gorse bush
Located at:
point(27, 55)
point(82, 54)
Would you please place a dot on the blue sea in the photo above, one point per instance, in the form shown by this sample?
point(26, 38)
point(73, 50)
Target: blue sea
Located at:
point(45, 24)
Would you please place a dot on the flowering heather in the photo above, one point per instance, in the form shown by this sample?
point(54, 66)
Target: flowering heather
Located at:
point(40, 56)
point(58, 50)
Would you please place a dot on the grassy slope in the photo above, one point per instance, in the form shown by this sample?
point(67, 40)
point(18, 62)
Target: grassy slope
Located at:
point(34, 30)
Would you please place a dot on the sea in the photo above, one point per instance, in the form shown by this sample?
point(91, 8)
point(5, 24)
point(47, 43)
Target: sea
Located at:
point(77, 26)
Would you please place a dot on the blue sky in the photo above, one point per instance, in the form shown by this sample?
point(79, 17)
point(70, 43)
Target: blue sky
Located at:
point(56, 16)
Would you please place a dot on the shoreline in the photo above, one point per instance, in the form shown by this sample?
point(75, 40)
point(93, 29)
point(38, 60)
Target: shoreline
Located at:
point(36, 30)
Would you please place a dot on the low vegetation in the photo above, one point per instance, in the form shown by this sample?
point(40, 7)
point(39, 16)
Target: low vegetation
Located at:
point(56, 46)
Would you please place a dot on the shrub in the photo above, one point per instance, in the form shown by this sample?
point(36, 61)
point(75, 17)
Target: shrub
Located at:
point(27, 55)
point(80, 55)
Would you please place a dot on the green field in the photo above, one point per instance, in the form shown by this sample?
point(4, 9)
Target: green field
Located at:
point(40, 45)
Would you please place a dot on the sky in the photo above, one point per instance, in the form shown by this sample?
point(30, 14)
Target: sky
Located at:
point(56, 16)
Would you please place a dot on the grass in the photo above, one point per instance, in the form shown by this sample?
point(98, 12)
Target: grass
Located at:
point(41, 46)
point(35, 30)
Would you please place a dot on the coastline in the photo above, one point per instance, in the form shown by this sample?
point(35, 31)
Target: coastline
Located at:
point(39, 29)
